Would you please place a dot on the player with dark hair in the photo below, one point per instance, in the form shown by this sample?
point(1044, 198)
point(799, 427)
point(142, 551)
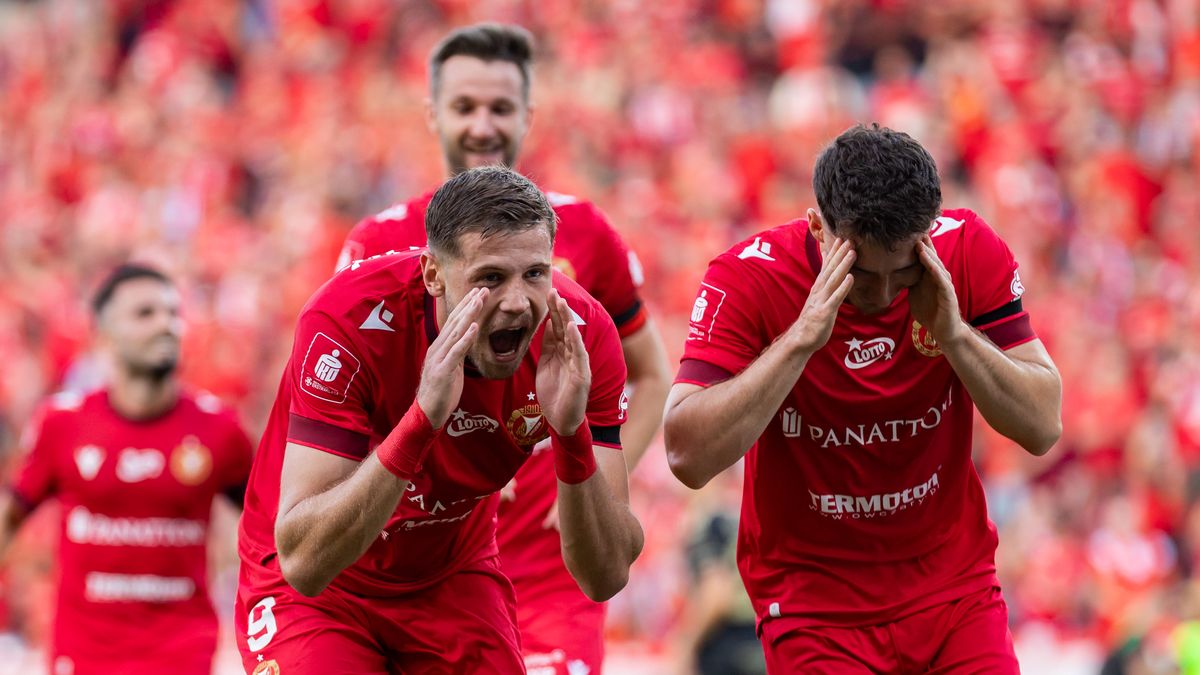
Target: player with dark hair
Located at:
point(843, 355)
point(462, 357)
point(479, 107)
point(136, 467)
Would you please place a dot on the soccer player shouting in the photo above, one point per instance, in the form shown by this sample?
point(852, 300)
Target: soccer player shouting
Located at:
point(462, 357)
point(136, 466)
point(480, 110)
point(843, 355)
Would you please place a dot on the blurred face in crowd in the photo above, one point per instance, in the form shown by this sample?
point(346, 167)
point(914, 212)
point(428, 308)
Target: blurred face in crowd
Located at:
point(515, 268)
point(479, 113)
point(141, 327)
point(879, 274)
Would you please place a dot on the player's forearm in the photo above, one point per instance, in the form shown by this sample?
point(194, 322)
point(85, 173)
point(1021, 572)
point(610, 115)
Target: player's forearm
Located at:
point(600, 536)
point(646, 398)
point(649, 381)
point(1019, 399)
point(327, 532)
point(710, 430)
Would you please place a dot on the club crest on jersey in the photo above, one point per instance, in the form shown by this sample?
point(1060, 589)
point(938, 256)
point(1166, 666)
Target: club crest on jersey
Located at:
point(267, 668)
point(863, 354)
point(527, 425)
point(923, 341)
point(191, 462)
point(328, 369)
point(564, 266)
point(704, 312)
point(463, 423)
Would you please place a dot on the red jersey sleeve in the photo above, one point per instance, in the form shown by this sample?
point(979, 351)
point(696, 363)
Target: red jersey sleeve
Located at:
point(331, 388)
point(607, 403)
point(993, 286)
point(725, 330)
point(400, 227)
point(617, 287)
point(35, 478)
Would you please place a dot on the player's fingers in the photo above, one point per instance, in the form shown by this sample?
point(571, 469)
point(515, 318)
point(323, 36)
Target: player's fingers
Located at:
point(457, 351)
point(464, 315)
point(840, 271)
point(575, 349)
point(829, 262)
point(839, 294)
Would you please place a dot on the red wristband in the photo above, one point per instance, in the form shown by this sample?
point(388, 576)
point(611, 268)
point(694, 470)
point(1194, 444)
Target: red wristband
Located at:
point(404, 450)
point(574, 460)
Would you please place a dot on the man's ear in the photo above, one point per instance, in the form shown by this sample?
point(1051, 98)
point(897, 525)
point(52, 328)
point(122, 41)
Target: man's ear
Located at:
point(817, 228)
point(430, 115)
point(431, 274)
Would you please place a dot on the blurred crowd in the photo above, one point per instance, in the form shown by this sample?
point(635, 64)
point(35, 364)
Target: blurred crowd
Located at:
point(235, 142)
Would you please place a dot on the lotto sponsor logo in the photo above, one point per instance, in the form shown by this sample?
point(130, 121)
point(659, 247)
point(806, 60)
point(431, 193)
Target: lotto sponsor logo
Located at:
point(869, 433)
point(871, 506)
point(103, 587)
point(135, 466)
point(704, 312)
point(863, 354)
point(462, 423)
point(328, 369)
point(85, 527)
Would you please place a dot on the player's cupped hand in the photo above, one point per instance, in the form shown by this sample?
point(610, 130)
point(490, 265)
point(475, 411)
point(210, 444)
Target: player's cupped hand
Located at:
point(442, 374)
point(564, 374)
point(815, 324)
point(932, 300)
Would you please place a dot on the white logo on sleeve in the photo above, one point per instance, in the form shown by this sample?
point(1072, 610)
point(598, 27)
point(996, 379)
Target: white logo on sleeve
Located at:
point(635, 270)
point(135, 466)
point(378, 319)
point(863, 354)
point(328, 369)
point(88, 460)
point(1017, 288)
point(328, 366)
point(759, 249)
point(943, 225)
point(704, 312)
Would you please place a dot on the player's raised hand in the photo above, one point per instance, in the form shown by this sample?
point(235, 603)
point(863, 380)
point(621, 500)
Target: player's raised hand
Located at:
point(442, 374)
point(932, 301)
point(815, 323)
point(564, 374)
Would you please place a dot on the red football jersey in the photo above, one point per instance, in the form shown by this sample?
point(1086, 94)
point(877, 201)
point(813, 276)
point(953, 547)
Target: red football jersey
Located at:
point(860, 501)
point(586, 248)
point(589, 250)
point(136, 498)
point(355, 366)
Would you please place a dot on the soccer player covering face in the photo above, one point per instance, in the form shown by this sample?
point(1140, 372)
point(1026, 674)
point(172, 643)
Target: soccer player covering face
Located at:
point(462, 357)
point(479, 109)
point(135, 467)
point(842, 355)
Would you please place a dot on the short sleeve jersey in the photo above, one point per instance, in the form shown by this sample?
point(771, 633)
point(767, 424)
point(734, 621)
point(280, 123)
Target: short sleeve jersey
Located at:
point(860, 500)
point(586, 248)
point(354, 370)
point(136, 497)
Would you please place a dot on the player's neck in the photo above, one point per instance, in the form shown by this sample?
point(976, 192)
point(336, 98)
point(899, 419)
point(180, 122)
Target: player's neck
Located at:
point(138, 397)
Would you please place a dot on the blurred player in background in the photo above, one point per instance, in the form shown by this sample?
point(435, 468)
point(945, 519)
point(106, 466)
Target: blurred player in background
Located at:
point(136, 467)
point(479, 108)
point(865, 542)
point(462, 357)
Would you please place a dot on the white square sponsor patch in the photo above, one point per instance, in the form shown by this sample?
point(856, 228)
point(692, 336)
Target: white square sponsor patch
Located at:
point(704, 312)
point(328, 369)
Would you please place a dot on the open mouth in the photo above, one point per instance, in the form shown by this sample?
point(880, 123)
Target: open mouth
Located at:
point(505, 342)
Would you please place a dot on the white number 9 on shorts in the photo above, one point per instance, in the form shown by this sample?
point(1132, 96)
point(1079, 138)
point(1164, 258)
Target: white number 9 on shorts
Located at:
point(260, 630)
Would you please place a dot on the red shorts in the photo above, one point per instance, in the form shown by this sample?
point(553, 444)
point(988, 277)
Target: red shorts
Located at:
point(559, 639)
point(969, 635)
point(463, 624)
